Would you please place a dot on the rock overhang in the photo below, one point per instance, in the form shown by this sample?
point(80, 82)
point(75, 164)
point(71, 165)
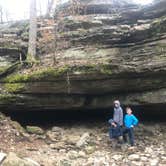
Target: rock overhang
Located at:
point(129, 46)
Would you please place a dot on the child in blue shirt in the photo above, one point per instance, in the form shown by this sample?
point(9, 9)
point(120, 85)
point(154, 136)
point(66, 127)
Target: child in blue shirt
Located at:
point(129, 121)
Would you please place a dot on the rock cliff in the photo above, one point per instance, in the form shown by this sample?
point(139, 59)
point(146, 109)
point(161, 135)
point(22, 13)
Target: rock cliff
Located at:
point(107, 50)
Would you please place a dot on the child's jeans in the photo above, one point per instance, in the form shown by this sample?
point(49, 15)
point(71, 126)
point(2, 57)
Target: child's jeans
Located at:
point(130, 132)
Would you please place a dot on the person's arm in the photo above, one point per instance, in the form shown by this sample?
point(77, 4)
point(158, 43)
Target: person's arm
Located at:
point(113, 114)
point(112, 123)
point(121, 117)
point(125, 120)
point(135, 121)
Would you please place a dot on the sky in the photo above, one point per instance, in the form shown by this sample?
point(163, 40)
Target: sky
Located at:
point(19, 9)
point(143, 2)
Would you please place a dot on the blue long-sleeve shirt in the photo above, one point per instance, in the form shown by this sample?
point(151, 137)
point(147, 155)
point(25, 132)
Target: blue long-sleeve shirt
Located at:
point(130, 120)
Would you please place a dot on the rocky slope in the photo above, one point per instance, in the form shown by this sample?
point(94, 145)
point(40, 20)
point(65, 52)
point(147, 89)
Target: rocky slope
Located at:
point(79, 144)
point(112, 49)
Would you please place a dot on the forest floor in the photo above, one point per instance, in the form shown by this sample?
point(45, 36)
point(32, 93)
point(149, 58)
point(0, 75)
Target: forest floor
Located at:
point(82, 144)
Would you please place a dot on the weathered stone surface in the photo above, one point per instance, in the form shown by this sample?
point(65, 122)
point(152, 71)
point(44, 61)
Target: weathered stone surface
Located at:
point(134, 157)
point(83, 140)
point(13, 160)
point(116, 49)
point(18, 127)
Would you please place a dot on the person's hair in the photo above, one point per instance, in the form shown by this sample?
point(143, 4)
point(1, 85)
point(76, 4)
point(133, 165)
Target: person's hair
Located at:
point(128, 108)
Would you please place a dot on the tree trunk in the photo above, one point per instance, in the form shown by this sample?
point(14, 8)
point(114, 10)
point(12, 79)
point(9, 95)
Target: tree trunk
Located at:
point(1, 15)
point(32, 32)
point(49, 7)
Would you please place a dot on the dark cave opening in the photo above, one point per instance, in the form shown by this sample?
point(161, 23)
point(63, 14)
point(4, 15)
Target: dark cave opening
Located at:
point(145, 114)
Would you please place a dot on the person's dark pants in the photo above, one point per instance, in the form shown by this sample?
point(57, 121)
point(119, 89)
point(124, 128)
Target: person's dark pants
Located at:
point(115, 132)
point(130, 132)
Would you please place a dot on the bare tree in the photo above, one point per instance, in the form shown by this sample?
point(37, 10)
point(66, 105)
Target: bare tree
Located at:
point(7, 15)
point(31, 56)
point(40, 8)
point(75, 6)
point(49, 7)
point(1, 15)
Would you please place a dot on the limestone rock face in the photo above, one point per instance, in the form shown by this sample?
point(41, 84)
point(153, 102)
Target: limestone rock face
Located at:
point(114, 49)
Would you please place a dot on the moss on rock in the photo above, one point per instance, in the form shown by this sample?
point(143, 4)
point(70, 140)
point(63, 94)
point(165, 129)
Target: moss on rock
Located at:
point(18, 127)
point(105, 69)
point(3, 69)
point(14, 87)
point(34, 130)
point(7, 98)
point(14, 82)
point(93, 68)
point(35, 76)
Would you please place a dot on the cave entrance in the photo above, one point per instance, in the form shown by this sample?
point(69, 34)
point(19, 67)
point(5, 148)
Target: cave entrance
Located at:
point(150, 114)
